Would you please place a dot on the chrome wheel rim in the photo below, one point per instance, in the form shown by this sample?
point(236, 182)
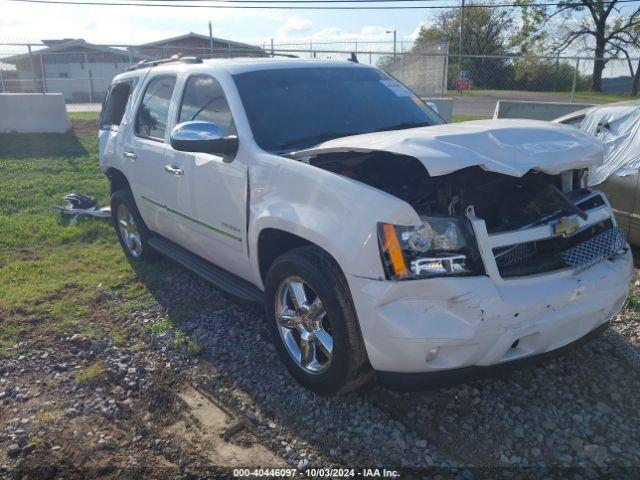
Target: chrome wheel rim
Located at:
point(129, 231)
point(303, 325)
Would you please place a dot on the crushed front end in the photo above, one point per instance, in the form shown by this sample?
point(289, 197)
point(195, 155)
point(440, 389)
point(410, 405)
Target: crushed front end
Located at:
point(501, 268)
point(510, 255)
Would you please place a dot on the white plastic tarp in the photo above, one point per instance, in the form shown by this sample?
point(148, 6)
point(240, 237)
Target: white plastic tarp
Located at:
point(618, 126)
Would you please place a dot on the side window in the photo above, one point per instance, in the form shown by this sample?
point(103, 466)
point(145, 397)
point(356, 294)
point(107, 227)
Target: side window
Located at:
point(116, 103)
point(204, 100)
point(153, 113)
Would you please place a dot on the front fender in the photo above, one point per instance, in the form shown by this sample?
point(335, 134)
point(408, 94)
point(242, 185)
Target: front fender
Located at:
point(338, 214)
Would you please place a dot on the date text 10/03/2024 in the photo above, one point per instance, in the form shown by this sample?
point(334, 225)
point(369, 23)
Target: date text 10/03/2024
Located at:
point(316, 472)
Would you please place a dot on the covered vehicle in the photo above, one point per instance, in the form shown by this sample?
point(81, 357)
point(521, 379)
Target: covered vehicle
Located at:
point(618, 127)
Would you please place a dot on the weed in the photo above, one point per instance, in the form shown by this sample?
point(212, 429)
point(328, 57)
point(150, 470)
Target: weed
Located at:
point(93, 372)
point(633, 301)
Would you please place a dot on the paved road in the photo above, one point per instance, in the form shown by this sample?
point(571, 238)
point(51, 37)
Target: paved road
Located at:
point(84, 107)
point(485, 105)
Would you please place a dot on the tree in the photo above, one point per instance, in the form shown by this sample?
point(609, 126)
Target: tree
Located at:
point(630, 40)
point(543, 74)
point(487, 31)
point(486, 36)
point(603, 29)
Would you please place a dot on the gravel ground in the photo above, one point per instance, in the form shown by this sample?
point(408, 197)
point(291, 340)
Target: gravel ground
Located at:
point(76, 408)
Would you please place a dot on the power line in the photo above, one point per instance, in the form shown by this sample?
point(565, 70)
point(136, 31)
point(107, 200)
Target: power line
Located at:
point(299, 1)
point(313, 7)
point(292, 1)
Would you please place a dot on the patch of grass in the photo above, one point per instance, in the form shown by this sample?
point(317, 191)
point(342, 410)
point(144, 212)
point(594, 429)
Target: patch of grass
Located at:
point(9, 334)
point(466, 118)
point(161, 326)
point(84, 115)
point(93, 372)
point(602, 97)
point(194, 347)
point(633, 301)
point(58, 279)
point(47, 414)
point(580, 97)
point(171, 321)
point(138, 347)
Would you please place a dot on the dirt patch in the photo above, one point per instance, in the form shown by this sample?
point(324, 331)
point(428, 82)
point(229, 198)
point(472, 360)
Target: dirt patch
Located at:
point(85, 408)
point(219, 435)
point(85, 127)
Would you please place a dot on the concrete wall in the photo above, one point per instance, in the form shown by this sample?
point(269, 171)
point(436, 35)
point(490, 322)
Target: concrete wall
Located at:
point(33, 113)
point(82, 82)
point(445, 106)
point(535, 110)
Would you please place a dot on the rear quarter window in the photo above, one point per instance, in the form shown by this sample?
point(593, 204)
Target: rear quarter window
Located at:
point(116, 103)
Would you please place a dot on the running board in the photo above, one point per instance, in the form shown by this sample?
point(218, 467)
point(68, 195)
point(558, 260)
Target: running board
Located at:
point(219, 277)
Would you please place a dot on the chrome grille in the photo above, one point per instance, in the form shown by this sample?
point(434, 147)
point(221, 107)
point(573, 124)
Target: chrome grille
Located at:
point(516, 254)
point(579, 251)
point(595, 249)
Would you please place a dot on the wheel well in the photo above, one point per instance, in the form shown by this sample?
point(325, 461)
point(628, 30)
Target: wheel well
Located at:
point(118, 180)
point(272, 243)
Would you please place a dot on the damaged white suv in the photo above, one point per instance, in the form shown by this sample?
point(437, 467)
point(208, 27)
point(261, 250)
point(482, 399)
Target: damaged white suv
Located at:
point(382, 241)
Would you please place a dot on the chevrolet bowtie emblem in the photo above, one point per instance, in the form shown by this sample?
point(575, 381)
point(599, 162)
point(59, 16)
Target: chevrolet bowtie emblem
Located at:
point(566, 226)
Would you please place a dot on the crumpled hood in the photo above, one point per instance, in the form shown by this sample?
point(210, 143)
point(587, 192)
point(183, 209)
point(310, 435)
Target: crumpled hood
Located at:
point(510, 147)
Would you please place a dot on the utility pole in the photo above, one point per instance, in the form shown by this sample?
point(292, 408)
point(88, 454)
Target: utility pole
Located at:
point(33, 70)
point(394, 44)
point(44, 74)
point(575, 79)
point(210, 39)
point(394, 41)
point(461, 36)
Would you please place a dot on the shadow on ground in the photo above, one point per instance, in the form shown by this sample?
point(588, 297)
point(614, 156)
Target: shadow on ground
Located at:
point(578, 410)
point(41, 145)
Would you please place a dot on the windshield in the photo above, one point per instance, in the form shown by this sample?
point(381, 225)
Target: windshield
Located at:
point(295, 108)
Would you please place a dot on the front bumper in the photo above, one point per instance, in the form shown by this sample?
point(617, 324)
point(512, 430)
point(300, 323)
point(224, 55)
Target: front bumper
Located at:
point(445, 378)
point(441, 324)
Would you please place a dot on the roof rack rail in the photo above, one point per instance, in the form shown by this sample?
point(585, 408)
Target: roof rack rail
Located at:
point(163, 61)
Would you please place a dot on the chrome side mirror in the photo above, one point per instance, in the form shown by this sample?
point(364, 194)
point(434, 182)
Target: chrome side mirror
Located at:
point(202, 137)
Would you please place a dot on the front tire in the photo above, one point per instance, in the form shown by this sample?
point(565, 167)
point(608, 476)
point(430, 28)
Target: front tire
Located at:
point(313, 322)
point(131, 230)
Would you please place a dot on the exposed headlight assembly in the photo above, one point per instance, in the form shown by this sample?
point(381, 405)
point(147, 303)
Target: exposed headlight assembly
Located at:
point(438, 247)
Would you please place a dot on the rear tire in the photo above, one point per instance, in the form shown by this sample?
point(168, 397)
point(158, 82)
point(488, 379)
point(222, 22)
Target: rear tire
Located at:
point(319, 342)
point(131, 230)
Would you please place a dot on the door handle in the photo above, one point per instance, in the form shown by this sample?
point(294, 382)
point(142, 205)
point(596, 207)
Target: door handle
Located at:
point(130, 155)
point(178, 172)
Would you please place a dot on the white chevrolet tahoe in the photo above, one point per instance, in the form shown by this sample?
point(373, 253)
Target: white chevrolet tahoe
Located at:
point(382, 241)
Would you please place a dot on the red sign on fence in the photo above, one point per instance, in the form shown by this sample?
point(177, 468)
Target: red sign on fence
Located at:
point(463, 85)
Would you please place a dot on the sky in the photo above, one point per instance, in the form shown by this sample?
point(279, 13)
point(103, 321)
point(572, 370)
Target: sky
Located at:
point(111, 25)
point(23, 22)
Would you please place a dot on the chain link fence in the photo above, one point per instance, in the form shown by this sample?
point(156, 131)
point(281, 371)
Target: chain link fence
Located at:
point(564, 76)
point(82, 72)
point(431, 70)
